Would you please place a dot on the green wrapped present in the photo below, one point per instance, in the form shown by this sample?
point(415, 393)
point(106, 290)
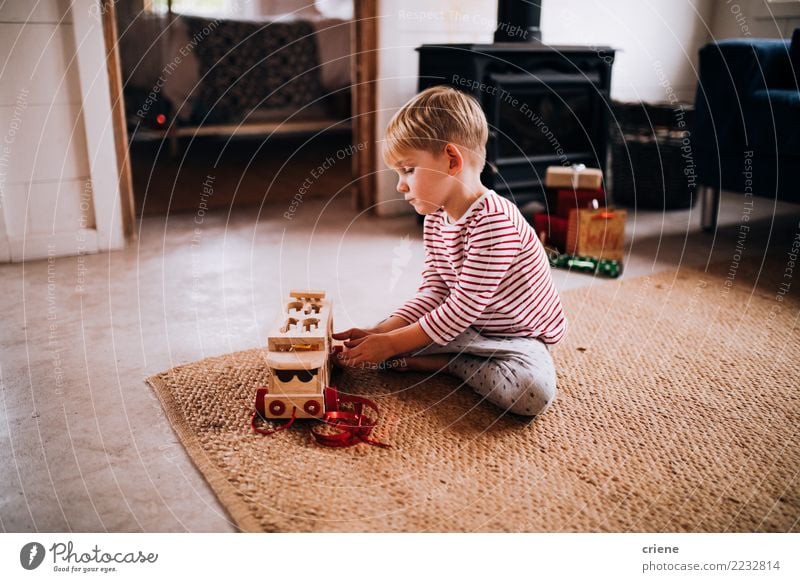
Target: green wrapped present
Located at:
point(604, 267)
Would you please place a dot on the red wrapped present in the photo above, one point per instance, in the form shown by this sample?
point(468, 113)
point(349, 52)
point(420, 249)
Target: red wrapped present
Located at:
point(554, 228)
point(567, 200)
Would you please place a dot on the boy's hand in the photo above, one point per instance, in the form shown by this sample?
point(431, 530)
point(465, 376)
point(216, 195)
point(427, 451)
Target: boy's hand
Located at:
point(369, 349)
point(352, 333)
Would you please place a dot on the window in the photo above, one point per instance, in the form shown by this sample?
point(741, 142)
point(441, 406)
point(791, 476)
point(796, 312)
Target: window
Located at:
point(224, 8)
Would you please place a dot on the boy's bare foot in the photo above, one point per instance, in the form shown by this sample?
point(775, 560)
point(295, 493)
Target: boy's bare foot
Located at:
point(433, 363)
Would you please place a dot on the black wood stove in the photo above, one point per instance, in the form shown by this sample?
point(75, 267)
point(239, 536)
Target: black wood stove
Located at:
point(546, 105)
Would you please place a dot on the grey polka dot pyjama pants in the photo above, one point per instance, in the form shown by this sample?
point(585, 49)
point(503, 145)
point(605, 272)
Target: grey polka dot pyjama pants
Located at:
point(515, 373)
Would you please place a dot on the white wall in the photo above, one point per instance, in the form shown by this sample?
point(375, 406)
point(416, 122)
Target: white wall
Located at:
point(403, 26)
point(58, 177)
point(657, 43)
point(754, 18)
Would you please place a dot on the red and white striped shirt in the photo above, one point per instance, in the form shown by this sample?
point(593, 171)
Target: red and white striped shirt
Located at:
point(489, 271)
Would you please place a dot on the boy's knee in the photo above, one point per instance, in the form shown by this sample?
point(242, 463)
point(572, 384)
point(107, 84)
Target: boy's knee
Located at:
point(533, 395)
point(519, 387)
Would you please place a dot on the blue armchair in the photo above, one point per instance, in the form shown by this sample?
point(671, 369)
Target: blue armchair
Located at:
point(747, 121)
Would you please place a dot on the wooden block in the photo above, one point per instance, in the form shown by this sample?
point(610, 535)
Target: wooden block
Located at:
point(596, 233)
point(298, 347)
point(282, 405)
point(575, 177)
point(304, 325)
point(298, 372)
point(307, 294)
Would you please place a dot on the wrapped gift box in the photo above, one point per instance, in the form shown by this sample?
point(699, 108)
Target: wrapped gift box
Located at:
point(553, 227)
point(570, 199)
point(596, 233)
point(577, 177)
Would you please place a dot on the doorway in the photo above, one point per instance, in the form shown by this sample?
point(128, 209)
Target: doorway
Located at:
point(169, 139)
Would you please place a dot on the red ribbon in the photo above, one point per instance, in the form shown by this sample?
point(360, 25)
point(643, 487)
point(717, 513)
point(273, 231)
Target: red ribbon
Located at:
point(260, 430)
point(261, 413)
point(353, 426)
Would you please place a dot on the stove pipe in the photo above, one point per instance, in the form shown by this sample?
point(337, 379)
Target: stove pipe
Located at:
point(518, 21)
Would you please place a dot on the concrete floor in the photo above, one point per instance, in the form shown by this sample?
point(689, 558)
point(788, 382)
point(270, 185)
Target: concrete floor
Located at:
point(84, 444)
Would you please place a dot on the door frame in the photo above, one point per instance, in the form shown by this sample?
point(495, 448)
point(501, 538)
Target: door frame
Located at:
point(121, 144)
point(364, 43)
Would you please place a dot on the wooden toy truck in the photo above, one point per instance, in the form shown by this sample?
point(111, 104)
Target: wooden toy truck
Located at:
point(298, 348)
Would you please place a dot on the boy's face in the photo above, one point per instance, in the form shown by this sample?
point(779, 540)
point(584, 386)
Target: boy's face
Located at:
point(423, 180)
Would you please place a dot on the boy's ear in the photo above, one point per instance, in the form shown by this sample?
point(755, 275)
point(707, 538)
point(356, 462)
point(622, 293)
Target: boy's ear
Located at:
point(454, 158)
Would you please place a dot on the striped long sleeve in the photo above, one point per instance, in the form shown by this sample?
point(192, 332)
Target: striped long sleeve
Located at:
point(489, 271)
point(429, 296)
point(493, 245)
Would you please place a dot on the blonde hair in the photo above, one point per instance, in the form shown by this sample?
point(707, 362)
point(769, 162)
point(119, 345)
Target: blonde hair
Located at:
point(429, 121)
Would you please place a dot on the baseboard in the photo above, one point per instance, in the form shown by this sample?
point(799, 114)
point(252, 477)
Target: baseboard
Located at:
point(42, 246)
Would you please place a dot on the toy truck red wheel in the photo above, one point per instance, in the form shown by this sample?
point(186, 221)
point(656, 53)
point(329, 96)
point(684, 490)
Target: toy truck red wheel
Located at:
point(311, 407)
point(276, 407)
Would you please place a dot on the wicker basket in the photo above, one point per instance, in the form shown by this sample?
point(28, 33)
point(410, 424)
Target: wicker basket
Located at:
point(652, 165)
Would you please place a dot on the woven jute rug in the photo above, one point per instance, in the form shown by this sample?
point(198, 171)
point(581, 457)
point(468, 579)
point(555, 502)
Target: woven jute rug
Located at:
point(678, 410)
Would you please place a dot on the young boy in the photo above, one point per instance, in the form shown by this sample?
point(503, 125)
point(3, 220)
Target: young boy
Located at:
point(487, 309)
